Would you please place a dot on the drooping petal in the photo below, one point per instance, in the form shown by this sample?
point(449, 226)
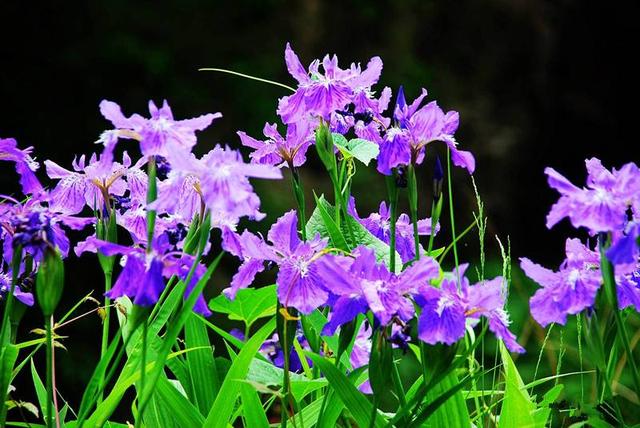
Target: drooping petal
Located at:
point(294, 66)
point(284, 233)
point(152, 284)
point(244, 277)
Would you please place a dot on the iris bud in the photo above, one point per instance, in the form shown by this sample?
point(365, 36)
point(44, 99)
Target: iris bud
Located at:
point(50, 281)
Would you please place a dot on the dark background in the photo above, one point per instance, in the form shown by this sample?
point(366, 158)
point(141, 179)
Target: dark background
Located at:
point(536, 83)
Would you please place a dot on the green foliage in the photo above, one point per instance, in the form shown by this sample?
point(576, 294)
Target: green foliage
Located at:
point(50, 282)
point(220, 413)
point(354, 401)
point(249, 305)
point(352, 232)
point(363, 150)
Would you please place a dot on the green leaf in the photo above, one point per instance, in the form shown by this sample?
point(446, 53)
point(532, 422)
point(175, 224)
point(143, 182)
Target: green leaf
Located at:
point(357, 404)
point(201, 364)
point(453, 412)
point(517, 406)
point(249, 305)
point(8, 357)
point(185, 413)
point(436, 404)
point(254, 414)
point(359, 148)
point(542, 413)
point(361, 236)
point(222, 408)
point(41, 392)
point(336, 235)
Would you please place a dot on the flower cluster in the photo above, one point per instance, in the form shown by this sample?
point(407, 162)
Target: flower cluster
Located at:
point(344, 99)
point(609, 207)
point(311, 273)
point(167, 191)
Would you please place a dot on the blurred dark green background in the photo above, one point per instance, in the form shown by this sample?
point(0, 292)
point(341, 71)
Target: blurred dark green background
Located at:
point(537, 83)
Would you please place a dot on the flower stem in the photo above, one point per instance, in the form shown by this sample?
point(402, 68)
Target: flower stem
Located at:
point(392, 191)
point(105, 323)
point(612, 296)
point(451, 215)
point(298, 193)
point(8, 307)
point(52, 402)
point(413, 208)
point(143, 366)
point(152, 194)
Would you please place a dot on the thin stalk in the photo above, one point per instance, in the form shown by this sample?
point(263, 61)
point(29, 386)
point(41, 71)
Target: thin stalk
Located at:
point(392, 191)
point(247, 76)
point(286, 381)
point(413, 207)
point(451, 215)
point(337, 196)
point(298, 193)
point(143, 365)
point(8, 307)
point(152, 194)
point(623, 336)
point(51, 399)
point(397, 383)
point(105, 322)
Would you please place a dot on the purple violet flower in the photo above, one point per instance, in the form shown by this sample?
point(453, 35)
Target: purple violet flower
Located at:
point(361, 352)
point(361, 283)
point(88, 183)
point(568, 291)
point(446, 310)
point(160, 135)
point(143, 276)
point(276, 150)
point(416, 127)
point(220, 180)
point(321, 94)
point(25, 165)
point(628, 286)
point(5, 286)
point(379, 225)
point(36, 227)
point(299, 284)
point(601, 206)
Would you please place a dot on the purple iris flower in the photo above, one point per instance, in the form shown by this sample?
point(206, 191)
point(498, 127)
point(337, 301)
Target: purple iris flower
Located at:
point(18, 293)
point(299, 284)
point(25, 165)
point(446, 310)
point(379, 225)
point(88, 183)
point(361, 352)
point(161, 134)
point(220, 179)
point(36, 227)
point(568, 291)
point(416, 127)
point(628, 285)
point(276, 150)
point(143, 276)
point(364, 115)
point(624, 249)
point(361, 283)
point(321, 94)
point(602, 205)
